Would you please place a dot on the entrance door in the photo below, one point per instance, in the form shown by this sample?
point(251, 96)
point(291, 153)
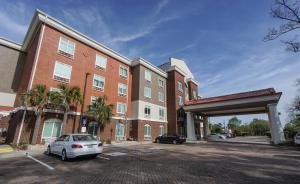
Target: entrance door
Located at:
point(51, 130)
point(120, 132)
point(92, 128)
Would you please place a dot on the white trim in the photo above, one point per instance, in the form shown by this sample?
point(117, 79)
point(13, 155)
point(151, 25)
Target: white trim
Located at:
point(145, 87)
point(126, 87)
point(36, 57)
point(41, 17)
point(98, 66)
point(68, 42)
point(70, 66)
point(103, 78)
point(150, 66)
point(11, 44)
point(125, 110)
point(193, 81)
point(126, 68)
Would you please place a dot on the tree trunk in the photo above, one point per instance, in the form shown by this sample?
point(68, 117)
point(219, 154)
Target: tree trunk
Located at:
point(36, 127)
point(99, 131)
point(65, 122)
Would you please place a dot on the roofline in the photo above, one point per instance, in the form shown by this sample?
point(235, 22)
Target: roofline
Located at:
point(175, 68)
point(193, 81)
point(41, 17)
point(150, 66)
point(10, 44)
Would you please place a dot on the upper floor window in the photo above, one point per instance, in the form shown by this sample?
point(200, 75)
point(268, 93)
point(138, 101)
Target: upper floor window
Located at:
point(123, 72)
point(147, 111)
point(101, 62)
point(180, 88)
point(161, 97)
point(147, 75)
point(122, 89)
point(66, 47)
point(147, 92)
point(180, 100)
point(160, 83)
point(62, 72)
point(98, 82)
point(121, 108)
point(161, 114)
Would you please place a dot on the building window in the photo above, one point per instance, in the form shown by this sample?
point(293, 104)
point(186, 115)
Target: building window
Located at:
point(161, 97)
point(121, 108)
point(161, 130)
point(93, 99)
point(120, 132)
point(180, 86)
point(194, 94)
point(52, 129)
point(66, 47)
point(147, 131)
point(147, 111)
point(122, 89)
point(99, 83)
point(147, 92)
point(161, 114)
point(180, 100)
point(101, 62)
point(123, 71)
point(160, 83)
point(62, 72)
point(147, 75)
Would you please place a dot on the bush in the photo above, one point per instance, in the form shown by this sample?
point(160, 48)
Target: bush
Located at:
point(108, 141)
point(290, 130)
point(21, 146)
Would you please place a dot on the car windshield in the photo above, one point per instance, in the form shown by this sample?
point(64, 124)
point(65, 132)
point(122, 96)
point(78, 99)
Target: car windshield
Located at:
point(83, 138)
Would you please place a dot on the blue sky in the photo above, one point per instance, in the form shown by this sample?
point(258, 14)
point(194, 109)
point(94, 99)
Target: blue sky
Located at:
point(221, 41)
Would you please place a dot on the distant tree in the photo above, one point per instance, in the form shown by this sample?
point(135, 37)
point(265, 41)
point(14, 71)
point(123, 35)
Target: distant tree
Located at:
point(259, 127)
point(234, 123)
point(101, 111)
point(287, 11)
point(216, 128)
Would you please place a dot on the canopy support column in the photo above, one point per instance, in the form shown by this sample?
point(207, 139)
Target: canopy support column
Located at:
point(275, 125)
point(190, 126)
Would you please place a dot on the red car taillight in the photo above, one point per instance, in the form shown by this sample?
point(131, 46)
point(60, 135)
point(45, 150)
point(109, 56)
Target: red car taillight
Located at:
point(76, 146)
point(100, 144)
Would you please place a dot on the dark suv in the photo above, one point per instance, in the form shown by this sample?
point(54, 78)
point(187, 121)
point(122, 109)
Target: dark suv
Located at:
point(170, 138)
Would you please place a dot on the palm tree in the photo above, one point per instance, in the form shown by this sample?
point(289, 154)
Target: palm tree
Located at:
point(37, 98)
point(66, 96)
point(25, 97)
point(100, 111)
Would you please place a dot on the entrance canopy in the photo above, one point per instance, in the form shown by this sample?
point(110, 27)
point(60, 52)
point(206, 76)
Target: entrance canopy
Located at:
point(252, 102)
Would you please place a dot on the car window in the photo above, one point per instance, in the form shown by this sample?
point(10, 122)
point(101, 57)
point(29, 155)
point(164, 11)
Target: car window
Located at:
point(62, 138)
point(83, 138)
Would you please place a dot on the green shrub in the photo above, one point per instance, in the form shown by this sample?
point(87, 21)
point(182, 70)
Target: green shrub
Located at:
point(108, 141)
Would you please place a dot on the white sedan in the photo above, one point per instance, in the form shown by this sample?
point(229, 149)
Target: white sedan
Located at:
point(75, 145)
point(297, 138)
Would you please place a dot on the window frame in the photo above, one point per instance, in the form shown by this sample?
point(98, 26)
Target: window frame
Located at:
point(125, 108)
point(180, 97)
point(161, 110)
point(63, 52)
point(93, 98)
point(98, 66)
point(161, 127)
point(179, 83)
point(150, 74)
point(150, 94)
point(163, 83)
point(148, 131)
point(126, 88)
point(146, 113)
point(67, 80)
point(125, 68)
point(97, 88)
point(161, 94)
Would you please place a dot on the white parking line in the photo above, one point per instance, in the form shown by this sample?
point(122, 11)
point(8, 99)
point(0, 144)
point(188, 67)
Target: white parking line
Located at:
point(104, 158)
point(40, 162)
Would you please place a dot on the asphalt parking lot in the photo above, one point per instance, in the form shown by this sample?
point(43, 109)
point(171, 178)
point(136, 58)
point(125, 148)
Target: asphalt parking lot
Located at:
point(160, 163)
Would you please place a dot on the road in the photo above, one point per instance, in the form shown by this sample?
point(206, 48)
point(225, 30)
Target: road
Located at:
point(160, 163)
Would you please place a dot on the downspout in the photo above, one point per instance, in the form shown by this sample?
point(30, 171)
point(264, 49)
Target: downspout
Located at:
point(82, 105)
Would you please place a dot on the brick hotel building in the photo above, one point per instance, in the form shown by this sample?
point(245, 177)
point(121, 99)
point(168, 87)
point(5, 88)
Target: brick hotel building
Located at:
point(147, 99)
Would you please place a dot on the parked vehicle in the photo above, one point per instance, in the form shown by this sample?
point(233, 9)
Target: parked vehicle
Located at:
point(170, 138)
point(297, 138)
point(75, 145)
point(215, 137)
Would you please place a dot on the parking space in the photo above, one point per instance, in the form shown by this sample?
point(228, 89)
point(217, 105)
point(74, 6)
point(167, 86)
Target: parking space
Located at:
point(162, 163)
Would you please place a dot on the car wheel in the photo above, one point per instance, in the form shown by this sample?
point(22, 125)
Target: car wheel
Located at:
point(157, 141)
point(64, 155)
point(174, 142)
point(48, 150)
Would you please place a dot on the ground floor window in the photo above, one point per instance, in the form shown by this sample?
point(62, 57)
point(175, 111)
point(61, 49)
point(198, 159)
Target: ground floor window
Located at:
point(120, 131)
point(92, 128)
point(161, 130)
point(147, 132)
point(52, 129)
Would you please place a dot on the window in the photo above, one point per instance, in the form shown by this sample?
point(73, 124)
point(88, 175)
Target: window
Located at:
point(121, 108)
point(122, 89)
point(92, 128)
point(101, 62)
point(147, 75)
point(66, 47)
point(147, 92)
point(147, 131)
point(93, 99)
point(180, 100)
point(161, 97)
point(52, 129)
point(120, 132)
point(62, 72)
point(147, 111)
point(161, 114)
point(180, 86)
point(161, 130)
point(99, 83)
point(123, 72)
point(194, 94)
point(160, 83)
